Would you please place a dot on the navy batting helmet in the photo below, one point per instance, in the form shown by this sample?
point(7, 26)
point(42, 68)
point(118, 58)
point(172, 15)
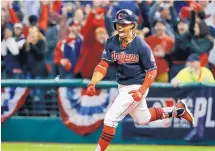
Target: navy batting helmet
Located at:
point(124, 16)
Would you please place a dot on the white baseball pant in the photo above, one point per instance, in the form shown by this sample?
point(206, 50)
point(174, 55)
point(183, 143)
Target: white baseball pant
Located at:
point(124, 104)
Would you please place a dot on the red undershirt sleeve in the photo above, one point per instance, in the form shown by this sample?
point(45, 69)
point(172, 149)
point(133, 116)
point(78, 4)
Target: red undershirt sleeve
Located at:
point(149, 79)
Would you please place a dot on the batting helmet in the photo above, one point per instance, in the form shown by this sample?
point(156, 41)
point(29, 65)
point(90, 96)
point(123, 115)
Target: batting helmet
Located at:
point(124, 16)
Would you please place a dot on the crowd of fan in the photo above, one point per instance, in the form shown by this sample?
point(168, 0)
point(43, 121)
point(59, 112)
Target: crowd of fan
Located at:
point(43, 39)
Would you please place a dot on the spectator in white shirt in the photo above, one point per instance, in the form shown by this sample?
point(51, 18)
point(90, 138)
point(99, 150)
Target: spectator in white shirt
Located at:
point(10, 52)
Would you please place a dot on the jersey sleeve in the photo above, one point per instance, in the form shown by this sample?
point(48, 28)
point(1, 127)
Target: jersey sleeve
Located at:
point(146, 57)
point(106, 54)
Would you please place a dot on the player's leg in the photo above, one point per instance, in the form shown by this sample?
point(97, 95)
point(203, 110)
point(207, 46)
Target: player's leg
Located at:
point(187, 115)
point(180, 110)
point(142, 115)
point(121, 106)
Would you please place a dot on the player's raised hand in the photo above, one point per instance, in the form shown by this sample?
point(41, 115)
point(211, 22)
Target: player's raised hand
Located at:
point(136, 94)
point(91, 90)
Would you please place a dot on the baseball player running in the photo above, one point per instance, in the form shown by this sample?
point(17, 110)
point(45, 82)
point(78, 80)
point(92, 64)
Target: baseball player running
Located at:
point(136, 71)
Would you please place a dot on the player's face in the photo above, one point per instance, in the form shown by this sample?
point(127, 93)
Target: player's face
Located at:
point(124, 29)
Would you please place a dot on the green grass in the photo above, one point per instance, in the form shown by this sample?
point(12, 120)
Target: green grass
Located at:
point(91, 147)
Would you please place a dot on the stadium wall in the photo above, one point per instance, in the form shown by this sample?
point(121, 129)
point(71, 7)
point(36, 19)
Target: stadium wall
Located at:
point(51, 130)
point(200, 98)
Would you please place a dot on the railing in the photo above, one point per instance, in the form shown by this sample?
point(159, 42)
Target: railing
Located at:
point(45, 103)
point(78, 83)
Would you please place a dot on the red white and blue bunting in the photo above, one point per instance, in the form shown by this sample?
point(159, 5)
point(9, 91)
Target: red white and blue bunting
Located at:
point(81, 113)
point(12, 98)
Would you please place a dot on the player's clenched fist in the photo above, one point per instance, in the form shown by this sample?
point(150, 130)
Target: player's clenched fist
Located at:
point(91, 90)
point(136, 94)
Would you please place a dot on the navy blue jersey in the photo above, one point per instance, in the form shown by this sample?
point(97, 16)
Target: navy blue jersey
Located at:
point(132, 62)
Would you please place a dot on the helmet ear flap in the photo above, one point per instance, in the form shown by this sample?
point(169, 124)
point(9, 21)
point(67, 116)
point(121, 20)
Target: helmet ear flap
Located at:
point(114, 25)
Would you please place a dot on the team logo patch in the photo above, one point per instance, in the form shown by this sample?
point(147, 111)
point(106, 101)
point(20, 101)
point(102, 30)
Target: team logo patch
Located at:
point(122, 57)
point(121, 16)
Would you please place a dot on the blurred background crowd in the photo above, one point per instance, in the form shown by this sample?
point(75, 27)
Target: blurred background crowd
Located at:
point(43, 39)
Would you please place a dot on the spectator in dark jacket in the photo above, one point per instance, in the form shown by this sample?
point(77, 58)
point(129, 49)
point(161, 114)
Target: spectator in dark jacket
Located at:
point(35, 48)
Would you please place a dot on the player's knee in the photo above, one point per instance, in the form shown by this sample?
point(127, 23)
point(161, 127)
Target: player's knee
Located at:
point(144, 119)
point(110, 121)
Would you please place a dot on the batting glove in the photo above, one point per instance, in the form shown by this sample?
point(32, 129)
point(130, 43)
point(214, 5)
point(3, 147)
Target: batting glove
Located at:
point(91, 90)
point(137, 95)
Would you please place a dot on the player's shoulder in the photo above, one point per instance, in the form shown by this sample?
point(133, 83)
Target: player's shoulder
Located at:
point(141, 43)
point(113, 39)
point(112, 42)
